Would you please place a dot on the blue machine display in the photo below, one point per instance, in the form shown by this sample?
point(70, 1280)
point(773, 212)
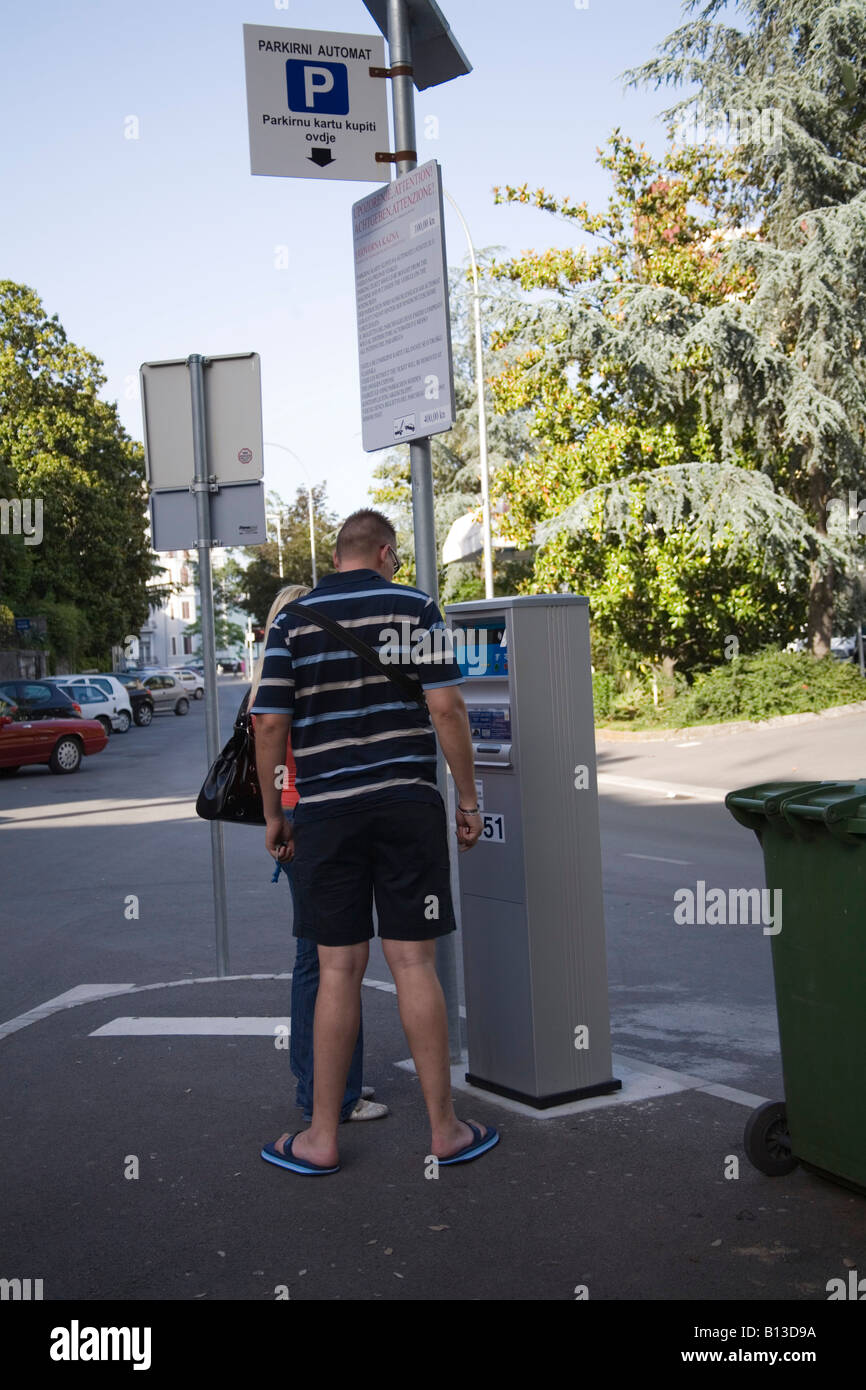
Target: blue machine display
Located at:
point(481, 648)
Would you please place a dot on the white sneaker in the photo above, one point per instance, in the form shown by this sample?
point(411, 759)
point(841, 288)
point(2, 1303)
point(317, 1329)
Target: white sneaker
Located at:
point(369, 1110)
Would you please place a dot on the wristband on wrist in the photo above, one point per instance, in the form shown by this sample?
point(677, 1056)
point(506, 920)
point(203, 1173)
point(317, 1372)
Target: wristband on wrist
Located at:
point(467, 812)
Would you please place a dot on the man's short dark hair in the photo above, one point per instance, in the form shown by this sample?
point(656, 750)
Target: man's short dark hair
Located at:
point(363, 532)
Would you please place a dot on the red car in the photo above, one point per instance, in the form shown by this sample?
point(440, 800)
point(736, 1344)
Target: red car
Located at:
point(61, 743)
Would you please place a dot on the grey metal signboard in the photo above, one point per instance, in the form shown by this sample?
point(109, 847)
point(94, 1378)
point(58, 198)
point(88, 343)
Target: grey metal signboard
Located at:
point(314, 110)
point(237, 517)
point(233, 406)
point(404, 332)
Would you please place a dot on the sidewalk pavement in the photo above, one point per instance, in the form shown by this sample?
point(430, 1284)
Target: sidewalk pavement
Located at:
point(618, 1198)
point(820, 748)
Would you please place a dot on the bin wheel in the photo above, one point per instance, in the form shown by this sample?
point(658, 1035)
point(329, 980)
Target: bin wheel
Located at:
point(767, 1140)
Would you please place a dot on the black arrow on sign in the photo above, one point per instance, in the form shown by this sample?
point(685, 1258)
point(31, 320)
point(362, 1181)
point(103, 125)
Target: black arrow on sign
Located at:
point(322, 157)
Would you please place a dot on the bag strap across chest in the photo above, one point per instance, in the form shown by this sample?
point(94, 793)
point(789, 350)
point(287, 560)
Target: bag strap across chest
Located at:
point(411, 689)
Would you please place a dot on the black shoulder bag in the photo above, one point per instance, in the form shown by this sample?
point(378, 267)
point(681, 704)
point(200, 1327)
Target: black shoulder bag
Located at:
point(231, 789)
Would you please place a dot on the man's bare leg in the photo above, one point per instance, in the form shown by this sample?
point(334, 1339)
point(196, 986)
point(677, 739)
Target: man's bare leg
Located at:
point(335, 1032)
point(425, 1023)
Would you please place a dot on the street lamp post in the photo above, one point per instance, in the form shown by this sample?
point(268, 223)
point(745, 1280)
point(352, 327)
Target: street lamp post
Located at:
point(269, 444)
point(275, 517)
point(482, 411)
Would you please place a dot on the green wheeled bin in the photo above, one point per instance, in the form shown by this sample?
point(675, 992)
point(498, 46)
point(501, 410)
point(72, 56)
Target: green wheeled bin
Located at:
point(813, 835)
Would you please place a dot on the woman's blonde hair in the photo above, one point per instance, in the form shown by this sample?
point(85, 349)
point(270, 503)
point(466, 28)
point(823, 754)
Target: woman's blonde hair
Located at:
point(290, 594)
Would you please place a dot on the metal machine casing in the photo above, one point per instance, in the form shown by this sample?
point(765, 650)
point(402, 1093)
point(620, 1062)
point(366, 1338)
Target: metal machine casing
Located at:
point(537, 1014)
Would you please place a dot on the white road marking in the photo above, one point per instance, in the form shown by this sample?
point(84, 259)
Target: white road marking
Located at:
point(81, 994)
point(90, 994)
point(82, 814)
point(656, 1080)
point(656, 858)
point(239, 1025)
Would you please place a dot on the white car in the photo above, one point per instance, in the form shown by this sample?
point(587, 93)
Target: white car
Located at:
point(100, 697)
point(190, 680)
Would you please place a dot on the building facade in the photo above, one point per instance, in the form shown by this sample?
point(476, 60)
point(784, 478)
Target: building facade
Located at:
point(163, 639)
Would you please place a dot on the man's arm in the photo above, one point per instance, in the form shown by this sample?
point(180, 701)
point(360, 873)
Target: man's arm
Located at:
point(451, 722)
point(272, 736)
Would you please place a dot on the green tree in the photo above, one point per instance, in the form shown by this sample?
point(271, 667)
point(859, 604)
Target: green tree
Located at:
point(224, 583)
point(456, 453)
point(227, 634)
point(16, 556)
point(258, 582)
point(786, 89)
point(678, 543)
point(59, 442)
point(787, 368)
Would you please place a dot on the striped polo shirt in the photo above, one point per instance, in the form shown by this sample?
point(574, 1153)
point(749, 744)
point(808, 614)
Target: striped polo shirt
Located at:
point(358, 740)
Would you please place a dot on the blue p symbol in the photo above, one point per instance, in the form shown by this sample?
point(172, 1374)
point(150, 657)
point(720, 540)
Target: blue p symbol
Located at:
point(319, 87)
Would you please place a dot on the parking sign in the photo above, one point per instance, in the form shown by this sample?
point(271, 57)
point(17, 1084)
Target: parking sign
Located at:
point(314, 110)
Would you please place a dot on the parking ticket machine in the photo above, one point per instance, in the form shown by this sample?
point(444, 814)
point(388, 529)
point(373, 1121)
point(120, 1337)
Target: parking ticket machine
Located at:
point(537, 1019)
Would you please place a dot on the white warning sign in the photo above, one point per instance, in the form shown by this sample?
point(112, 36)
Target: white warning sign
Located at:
point(404, 330)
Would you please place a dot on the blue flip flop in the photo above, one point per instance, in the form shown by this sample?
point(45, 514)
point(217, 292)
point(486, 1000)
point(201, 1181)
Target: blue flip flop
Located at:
point(476, 1148)
point(288, 1159)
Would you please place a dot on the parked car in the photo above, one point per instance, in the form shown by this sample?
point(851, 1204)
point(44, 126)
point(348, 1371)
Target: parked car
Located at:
point(166, 692)
point(40, 699)
point(140, 699)
point(101, 697)
point(61, 743)
point(229, 666)
point(191, 680)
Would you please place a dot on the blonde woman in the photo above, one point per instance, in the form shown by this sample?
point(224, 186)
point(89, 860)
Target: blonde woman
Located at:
point(357, 1102)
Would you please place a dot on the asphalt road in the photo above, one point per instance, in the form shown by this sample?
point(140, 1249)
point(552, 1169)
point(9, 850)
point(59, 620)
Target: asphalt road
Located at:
point(76, 851)
point(106, 880)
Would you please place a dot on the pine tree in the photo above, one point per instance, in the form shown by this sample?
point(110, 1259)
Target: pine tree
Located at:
point(754, 329)
point(788, 90)
point(787, 368)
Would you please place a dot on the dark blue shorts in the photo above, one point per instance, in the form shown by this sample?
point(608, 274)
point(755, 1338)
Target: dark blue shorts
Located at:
point(396, 852)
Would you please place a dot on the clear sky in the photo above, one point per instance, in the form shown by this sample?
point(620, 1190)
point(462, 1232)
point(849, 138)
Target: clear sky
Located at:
point(160, 246)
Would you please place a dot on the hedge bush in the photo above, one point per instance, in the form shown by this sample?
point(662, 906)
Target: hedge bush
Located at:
point(765, 685)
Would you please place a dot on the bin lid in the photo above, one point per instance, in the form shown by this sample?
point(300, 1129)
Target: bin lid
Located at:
point(840, 806)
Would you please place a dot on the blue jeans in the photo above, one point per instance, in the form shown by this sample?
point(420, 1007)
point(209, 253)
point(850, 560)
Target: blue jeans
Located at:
point(305, 987)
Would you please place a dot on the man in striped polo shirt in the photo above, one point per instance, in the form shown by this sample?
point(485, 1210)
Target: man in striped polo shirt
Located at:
point(370, 821)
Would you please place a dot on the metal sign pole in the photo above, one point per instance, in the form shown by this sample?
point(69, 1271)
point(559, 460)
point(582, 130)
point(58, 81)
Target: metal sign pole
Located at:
point(482, 410)
point(421, 461)
point(204, 541)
